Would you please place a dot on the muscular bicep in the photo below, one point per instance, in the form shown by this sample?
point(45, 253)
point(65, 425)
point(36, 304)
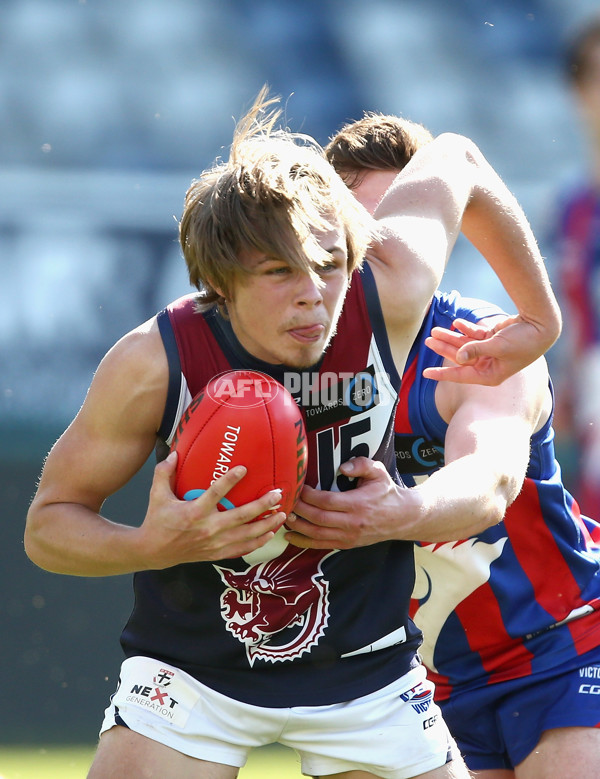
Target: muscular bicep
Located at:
point(115, 430)
point(493, 425)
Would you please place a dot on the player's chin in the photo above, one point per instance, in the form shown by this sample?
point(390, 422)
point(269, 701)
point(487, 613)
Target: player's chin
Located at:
point(306, 355)
point(306, 359)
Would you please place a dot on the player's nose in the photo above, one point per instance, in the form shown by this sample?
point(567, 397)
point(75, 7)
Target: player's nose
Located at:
point(309, 290)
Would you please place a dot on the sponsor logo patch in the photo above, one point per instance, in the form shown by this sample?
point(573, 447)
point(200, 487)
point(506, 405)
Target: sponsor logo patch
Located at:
point(157, 690)
point(419, 697)
point(591, 685)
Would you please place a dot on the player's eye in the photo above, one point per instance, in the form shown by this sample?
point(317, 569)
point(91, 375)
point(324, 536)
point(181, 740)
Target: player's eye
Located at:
point(279, 270)
point(328, 266)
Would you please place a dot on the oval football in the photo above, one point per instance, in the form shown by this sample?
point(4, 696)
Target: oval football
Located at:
point(242, 418)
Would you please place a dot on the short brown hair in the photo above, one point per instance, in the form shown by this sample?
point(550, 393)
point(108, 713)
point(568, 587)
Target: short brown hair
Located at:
point(273, 192)
point(375, 142)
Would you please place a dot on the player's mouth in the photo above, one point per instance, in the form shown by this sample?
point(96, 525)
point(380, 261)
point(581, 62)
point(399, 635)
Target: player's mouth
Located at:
point(309, 334)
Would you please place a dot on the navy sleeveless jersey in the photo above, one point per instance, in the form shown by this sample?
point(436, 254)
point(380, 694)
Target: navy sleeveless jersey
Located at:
point(524, 595)
point(285, 626)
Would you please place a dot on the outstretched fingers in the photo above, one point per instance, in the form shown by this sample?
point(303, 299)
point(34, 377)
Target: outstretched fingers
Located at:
point(484, 354)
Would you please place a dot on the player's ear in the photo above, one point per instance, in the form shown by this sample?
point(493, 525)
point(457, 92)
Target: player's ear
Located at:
point(223, 295)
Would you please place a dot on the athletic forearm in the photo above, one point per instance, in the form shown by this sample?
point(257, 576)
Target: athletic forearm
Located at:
point(71, 539)
point(456, 502)
point(449, 183)
point(496, 225)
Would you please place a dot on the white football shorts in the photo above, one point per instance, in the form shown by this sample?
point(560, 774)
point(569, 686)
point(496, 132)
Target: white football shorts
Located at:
point(396, 733)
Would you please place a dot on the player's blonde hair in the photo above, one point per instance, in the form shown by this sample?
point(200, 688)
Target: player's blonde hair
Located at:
point(272, 194)
point(374, 142)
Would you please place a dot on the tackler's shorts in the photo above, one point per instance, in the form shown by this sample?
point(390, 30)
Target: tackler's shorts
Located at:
point(396, 732)
point(497, 726)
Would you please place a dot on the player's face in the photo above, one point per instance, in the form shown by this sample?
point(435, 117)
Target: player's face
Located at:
point(372, 187)
point(284, 316)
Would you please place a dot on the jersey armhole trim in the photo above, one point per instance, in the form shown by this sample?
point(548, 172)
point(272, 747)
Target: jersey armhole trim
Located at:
point(174, 390)
point(378, 323)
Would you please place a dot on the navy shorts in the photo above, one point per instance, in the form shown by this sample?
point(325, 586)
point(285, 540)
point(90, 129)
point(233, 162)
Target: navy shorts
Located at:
point(499, 725)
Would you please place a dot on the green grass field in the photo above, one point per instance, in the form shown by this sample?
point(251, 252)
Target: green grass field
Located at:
point(63, 762)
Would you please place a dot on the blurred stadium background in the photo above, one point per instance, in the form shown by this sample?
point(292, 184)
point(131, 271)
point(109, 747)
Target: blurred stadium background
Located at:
point(108, 110)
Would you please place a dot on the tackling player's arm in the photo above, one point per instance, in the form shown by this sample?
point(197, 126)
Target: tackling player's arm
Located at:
point(110, 439)
point(486, 453)
point(449, 186)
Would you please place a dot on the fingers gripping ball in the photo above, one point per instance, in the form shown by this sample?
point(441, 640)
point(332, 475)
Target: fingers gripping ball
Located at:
point(242, 418)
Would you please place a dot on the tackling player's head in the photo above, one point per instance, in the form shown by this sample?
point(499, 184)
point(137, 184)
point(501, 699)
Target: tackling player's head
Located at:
point(375, 142)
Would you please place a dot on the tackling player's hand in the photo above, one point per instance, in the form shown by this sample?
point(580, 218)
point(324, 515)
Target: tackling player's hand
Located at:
point(365, 515)
point(485, 354)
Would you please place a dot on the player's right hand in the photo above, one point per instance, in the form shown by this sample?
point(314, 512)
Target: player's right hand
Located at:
point(179, 531)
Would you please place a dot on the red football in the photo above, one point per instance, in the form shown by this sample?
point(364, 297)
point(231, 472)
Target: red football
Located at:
point(242, 418)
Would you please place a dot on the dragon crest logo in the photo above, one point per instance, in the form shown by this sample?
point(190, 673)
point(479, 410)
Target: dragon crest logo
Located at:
point(278, 608)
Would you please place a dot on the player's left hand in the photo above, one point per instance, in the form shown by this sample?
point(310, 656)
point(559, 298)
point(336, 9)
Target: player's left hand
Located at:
point(344, 520)
point(485, 354)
